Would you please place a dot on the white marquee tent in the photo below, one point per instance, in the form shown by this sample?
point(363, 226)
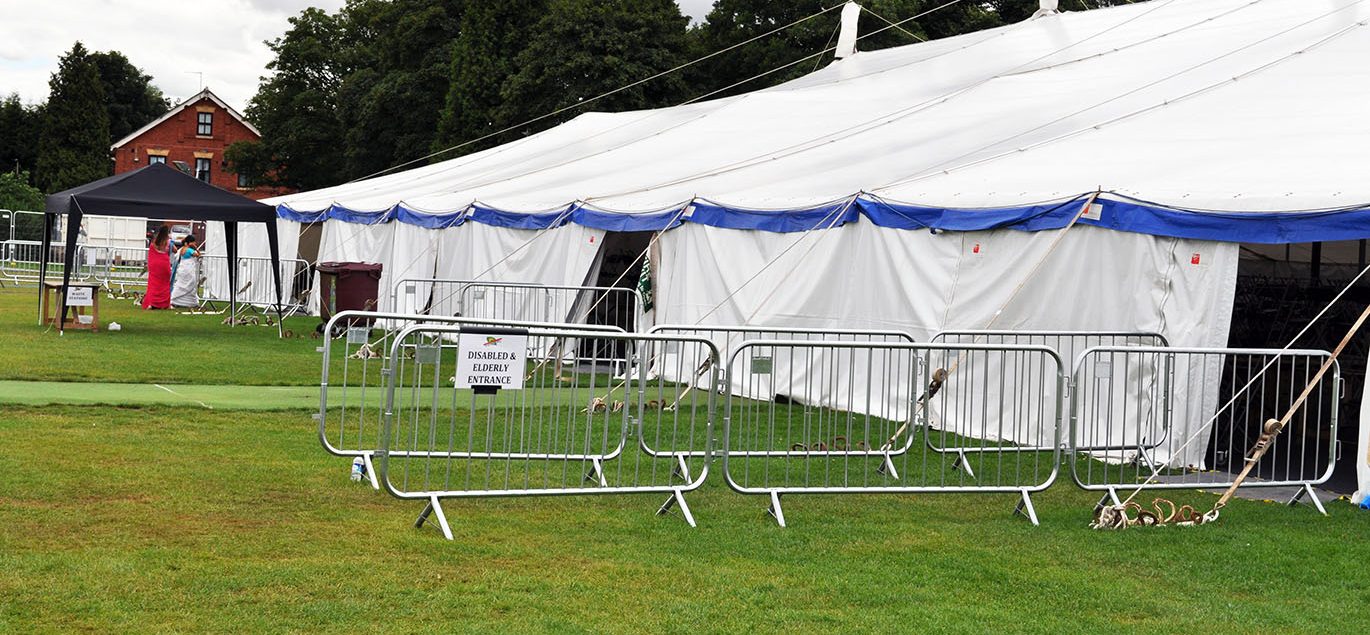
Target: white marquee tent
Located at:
point(919, 187)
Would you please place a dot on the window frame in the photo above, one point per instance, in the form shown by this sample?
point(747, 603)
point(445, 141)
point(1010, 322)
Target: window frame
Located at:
point(204, 124)
point(208, 163)
point(154, 159)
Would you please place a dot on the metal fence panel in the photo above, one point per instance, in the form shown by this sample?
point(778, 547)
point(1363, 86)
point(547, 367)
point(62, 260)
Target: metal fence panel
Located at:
point(22, 260)
point(1215, 400)
point(616, 306)
point(1030, 435)
point(675, 365)
point(351, 393)
point(567, 431)
point(833, 397)
point(256, 288)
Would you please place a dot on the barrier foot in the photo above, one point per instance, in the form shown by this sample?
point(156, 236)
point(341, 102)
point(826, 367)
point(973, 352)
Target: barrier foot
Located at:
point(682, 470)
point(596, 473)
point(1143, 460)
point(887, 467)
point(962, 463)
point(1307, 490)
point(434, 507)
point(1026, 509)
point(371, 471)
point(775, 511)
point(1108, 500)
point(677, 499)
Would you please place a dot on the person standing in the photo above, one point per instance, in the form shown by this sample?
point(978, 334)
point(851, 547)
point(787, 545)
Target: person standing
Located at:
point(158, 294)
point(187, 278)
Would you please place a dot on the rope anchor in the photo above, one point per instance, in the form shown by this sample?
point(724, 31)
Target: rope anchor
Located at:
point(1117, 516)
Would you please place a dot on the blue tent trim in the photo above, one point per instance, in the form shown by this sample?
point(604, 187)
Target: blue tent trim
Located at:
point(338, 212)
point(284, 211)
point(1116, 212)
point(628, 222)
point(427, 220)
point(1275, 228)
point(518, 220)
point(781, 221)
point(1040, 217)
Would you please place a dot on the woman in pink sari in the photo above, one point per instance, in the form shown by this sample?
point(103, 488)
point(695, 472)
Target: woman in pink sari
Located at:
point(158, 294)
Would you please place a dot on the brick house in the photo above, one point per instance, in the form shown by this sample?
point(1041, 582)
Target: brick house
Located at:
point(193, 136)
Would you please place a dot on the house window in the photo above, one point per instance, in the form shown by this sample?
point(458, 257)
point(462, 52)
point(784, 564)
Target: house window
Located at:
point(202, 169)
point(204, 124)
point(243, 181)
point(154, 160)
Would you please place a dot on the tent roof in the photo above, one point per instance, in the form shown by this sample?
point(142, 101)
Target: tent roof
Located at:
point(1181, 107)
point(158, 191)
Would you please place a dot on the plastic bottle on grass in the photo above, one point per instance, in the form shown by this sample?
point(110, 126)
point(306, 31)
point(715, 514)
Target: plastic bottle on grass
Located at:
point(358, 469)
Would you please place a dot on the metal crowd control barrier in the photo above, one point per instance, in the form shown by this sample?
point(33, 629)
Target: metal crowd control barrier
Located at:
point(727, 338)
point(826, 402)
point(121, 267)
point(552, 436)
point(21, 262)
point(1217, 400)
point(561, 304)
point(256, 288)
point(1030, 435)
point(351, 393)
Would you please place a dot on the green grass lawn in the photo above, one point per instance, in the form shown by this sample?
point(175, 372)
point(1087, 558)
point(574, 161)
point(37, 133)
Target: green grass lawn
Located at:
point(171, 517)
point(168, 519)
point(154, 346)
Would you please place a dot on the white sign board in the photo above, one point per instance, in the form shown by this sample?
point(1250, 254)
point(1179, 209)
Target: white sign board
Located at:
point(80, 296)
point(491, 360)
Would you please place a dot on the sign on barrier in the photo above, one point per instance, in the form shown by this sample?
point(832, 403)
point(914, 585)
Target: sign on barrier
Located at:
point(566, 432)
point(875, 397)
point(1216, 400)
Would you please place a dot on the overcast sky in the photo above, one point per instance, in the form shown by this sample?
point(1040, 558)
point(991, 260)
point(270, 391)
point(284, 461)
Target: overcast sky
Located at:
point(172, 40)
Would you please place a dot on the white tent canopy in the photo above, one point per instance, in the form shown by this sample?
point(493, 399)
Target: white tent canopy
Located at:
point(910, 187)
point(1235, 105)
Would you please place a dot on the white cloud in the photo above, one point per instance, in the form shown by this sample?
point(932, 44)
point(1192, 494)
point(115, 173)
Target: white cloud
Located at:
point(171, 40)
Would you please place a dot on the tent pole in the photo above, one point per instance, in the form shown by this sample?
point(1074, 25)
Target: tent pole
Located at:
point(49, 221)
point(274, 244)
point(69, 261)
point(231, 247)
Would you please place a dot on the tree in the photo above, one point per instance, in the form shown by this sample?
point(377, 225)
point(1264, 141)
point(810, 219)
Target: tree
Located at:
point(20, 127)
point(390, 105)
point(733, 21)
point(74, 145)
point(295, 107)
point(131, 100)
point(17, 194)
point(583, 48)
point(490, 37)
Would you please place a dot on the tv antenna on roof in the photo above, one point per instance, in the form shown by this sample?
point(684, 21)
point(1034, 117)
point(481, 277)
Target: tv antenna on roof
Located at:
point(202, 79)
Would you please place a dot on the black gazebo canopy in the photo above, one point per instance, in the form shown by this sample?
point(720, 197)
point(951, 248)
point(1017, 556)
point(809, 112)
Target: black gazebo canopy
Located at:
point(157, 191)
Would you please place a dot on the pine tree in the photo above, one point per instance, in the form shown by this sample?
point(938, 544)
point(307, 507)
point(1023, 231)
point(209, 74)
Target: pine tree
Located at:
point(131, 99)
point(20, 127)
point(74, 146)
point(492, 34)
point(390, 106)
point(584, 48)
